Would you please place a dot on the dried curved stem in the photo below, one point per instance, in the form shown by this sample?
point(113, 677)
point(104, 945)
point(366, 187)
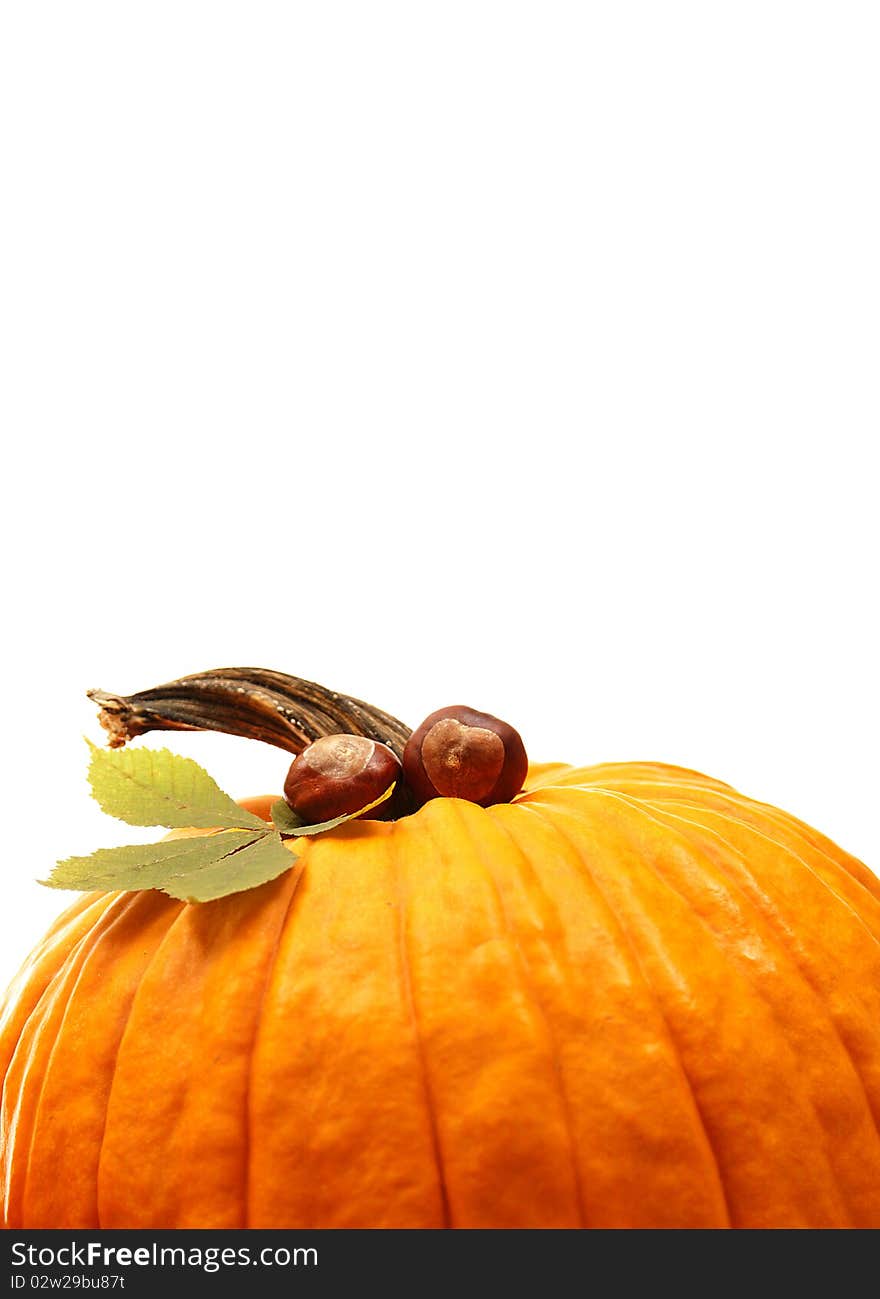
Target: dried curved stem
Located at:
point(253, 702)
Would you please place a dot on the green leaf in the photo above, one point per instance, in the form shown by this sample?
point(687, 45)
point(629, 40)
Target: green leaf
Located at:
point(144, 866)
point(196, 870)
point(264, 859)
point(288, 823)
point(156, 787)
point(284, 818)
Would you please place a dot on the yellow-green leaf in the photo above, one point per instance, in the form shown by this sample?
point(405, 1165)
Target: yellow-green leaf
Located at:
point(197, 869)
point(262, 860)
point(284, 818)
point(289, 823)
point(156, 787)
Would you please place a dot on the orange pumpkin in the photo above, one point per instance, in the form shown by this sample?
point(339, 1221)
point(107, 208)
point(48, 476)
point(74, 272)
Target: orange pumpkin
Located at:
point(631, 998)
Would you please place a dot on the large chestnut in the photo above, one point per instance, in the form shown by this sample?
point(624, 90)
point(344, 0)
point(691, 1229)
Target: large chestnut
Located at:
point(458, 752)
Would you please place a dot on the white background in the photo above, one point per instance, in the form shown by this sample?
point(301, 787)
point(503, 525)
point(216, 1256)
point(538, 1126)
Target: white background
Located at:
point(515, 354)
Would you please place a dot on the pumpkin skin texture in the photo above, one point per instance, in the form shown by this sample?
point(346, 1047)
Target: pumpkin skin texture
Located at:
point(634, 998)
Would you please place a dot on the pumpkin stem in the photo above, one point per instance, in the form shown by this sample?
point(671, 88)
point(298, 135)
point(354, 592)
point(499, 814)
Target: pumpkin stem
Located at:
point(253, 702)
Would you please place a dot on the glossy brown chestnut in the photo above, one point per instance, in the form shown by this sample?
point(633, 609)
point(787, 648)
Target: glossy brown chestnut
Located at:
point(338, 775)
point(460, 753)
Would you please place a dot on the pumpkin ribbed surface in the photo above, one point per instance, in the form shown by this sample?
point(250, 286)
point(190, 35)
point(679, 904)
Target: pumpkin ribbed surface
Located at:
point(634, 998)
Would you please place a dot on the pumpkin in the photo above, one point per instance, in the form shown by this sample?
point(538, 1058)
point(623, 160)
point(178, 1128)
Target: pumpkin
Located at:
point(632, 998)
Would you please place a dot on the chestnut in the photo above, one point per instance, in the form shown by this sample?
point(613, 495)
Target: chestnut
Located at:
point(337, 775)
point(458, 752)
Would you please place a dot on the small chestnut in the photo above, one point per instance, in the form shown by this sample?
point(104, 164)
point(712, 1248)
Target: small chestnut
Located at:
point(460, 753)
point(337, 775)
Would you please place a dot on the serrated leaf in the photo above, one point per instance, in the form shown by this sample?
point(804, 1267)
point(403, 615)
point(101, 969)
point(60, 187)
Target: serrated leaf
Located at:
point(144, 866)
point(284, 818)
point(198, 869)
point(287, 822)
point(157, 787)
point(264, 859)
